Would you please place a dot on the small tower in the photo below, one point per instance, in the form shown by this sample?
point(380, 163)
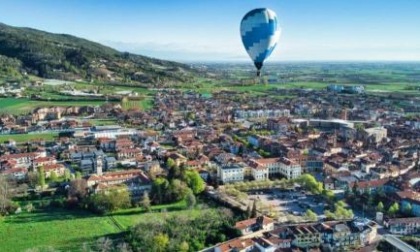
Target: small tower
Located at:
point(98, 165)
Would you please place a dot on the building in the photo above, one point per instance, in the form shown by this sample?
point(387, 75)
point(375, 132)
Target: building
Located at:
point(280, 166)
point(255, 224)
point(403, 226)
point(136, 181)
point(231, 173)
point(376, 134)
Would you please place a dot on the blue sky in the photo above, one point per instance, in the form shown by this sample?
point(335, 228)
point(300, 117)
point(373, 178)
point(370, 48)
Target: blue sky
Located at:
point(198, 30)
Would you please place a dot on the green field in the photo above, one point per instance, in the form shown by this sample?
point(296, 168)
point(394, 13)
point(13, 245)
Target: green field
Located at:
point(28, 137)
point(144, 104)
point(23, 105)
point(68, 230)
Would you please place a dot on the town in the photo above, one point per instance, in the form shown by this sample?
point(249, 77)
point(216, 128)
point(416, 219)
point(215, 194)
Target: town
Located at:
point(331, 169)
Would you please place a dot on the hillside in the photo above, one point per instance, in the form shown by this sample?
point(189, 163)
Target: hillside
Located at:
point(62, 56)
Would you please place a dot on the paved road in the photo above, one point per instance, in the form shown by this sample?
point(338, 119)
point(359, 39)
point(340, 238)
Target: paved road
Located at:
point(399, 244)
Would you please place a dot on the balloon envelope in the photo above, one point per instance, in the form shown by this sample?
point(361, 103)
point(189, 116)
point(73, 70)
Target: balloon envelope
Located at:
point(260, 34)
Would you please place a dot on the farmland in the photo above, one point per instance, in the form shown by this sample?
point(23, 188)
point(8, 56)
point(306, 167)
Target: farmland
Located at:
point(20, 138)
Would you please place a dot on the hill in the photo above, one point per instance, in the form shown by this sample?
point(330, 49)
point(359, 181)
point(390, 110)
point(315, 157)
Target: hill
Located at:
point(61, 56)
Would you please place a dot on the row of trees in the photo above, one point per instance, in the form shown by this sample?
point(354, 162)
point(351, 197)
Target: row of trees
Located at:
point(263, 184)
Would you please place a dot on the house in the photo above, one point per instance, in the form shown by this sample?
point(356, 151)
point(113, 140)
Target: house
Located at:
point(409, 197)
point(137, 182)
point(255, 224)
point(178, 158)
point(59, 170)
point(403, 226)
point(15, 173)
point(371, 185)
point(236, 245)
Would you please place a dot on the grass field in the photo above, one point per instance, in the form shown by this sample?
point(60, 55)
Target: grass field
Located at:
point(68, 230)
point(144, 104)
point(60, 229)
point(28, 137)
point(23, 105)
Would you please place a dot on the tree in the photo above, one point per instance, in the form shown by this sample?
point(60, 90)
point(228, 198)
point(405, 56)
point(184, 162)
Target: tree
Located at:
point(78, 189)
point(160, 189)
point(110, 200)
point(248, 212)
point(53, 176)
point(67, 175)
point(78, 175)
point(161, 241)
point(408, 209)
point(32, 179)
point(191, 201)
point(254, 209)
point(310, 215)
point(310, 183)
point(183, 247)
point(145, 202)
point(195, 182)
point(6, 194)
point(380, 207)
point(355, 189)
point(170, 163)
point(41, 176)
point(103, 244)
point(393, 209)
point(178, 190)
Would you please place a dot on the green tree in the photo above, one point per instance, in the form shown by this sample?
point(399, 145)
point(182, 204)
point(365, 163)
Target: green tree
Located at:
point(53, 176)
point(254, 209)
point(178, 190)
point(190, 198)
point(310, 215)
point(145, 202)
point(161, 242)
point(41, 176)
point(380, 207)
point(160, 190)
point(393, 209)
point(170, 163)
point(310, 183)
point(183, 247)
point(67, 175)
point(78, 175)
point(195, 182)
point(6, 194)
point(248, 212)
point(111, 200)
point(407, 209)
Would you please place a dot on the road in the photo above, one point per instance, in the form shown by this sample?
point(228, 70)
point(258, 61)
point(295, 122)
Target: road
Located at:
point(399, 244)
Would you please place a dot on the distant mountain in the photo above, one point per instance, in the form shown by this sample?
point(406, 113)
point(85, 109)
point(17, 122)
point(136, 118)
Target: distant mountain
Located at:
point(62, 56)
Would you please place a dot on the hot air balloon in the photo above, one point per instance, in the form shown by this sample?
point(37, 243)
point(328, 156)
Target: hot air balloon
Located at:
point(260, 34)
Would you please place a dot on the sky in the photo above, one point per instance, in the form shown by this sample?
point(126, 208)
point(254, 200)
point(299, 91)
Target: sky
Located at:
point(208, 30)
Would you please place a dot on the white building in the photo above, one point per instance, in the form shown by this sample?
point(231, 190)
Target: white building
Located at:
point(282, 166)
point(231, 173)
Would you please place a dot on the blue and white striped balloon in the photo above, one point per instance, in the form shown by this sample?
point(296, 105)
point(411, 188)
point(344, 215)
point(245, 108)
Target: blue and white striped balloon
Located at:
point(260, 34)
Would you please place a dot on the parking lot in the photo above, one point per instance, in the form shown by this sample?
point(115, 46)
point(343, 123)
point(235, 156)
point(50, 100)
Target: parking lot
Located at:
point(292, 202)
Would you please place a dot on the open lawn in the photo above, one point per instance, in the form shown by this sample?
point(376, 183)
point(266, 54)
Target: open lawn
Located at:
point(20, 138)
point(59, 228)
point(67, 230)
